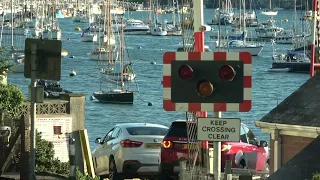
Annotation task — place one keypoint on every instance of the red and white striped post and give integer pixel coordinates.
(199, 30)
(313, 47)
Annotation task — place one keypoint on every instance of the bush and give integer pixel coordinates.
(45, 161)
(5, 60)
(80, 176)
(11, 101)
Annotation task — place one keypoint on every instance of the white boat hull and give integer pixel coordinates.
(269, 13)
(89, 38)
(254, 51)
(174, 33)
(117, 77)
(103, 56)
(156, 32)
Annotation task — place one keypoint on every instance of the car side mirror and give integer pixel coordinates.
(263, 144)
(98, 141)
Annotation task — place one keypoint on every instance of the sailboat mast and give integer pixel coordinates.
(295, 16)
(52, 18)
(270, 4)
(12, 24)
(105, 18)
(174, 13)
(244, 15)
(122, 56)
(2, 22)
(108, 30)
(151, 10)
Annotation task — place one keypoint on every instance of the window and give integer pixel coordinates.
(57, 130)
(115, 133)
(250, 135)
(157, 131)
(179, 129)
(107, 137)
(243, 136)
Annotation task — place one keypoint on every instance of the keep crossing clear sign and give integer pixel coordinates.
(219, 129)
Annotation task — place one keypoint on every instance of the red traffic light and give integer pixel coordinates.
(204, 88)
(227, 73)
(185, 72)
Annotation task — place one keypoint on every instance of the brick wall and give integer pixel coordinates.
(290, 146)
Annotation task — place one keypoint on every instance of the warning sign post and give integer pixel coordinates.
(219, 129)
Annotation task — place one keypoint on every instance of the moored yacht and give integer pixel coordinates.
(101, 54)
(240, 46)
(269, 30)
(136, 27)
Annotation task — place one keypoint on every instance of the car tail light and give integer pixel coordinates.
(127, 143)
(166, 144)
(226, 147)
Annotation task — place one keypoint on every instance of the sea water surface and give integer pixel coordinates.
(269, 88)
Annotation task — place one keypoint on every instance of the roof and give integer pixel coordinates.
(302, 166)
(300, 108)
(126, 125)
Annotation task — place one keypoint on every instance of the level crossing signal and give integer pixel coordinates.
(207, 81)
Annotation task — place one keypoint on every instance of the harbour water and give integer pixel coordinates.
(269, 88)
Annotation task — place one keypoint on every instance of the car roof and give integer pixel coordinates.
(183, 121)
(126, 125)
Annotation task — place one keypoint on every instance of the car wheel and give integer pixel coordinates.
(113, 173)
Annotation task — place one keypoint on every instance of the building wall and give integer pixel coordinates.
(290, 146)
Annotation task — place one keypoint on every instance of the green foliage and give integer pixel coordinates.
(80, 176)
(316, 176)
(4, 60)
(11, 100)
(45, 161)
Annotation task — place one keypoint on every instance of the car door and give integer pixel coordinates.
(252, 148)
(261, 156)
(108, 147)
(241, 147)
(102, 159)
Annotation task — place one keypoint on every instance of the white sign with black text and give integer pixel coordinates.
(219, 129)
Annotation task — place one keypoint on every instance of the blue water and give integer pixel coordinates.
(269, 88)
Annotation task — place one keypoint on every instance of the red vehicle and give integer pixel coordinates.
(248, 153)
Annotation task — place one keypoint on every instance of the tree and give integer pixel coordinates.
(11, 97)
(11, 101)
(4, 65)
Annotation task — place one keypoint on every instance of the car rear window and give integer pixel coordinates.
(178, 129)
(147, 131)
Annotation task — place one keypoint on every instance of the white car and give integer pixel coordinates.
(129, 150)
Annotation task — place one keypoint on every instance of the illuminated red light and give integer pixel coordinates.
(185, 72)
(227, 73)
